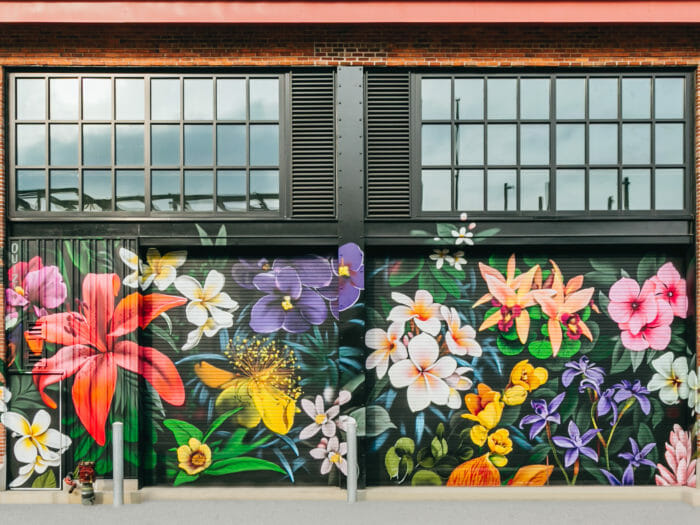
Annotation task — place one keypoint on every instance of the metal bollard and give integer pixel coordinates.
(118, 464)
(352, 460)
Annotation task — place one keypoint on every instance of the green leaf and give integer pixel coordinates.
(426, 281)
(621, 359)
(648, 266)
(507, 347)
(391, 463)
(46, 481)
(425, 458)
(593, 469)
(352, 385)
(184, 477)
(403, 270)
(448, 283)
(539, 452)
(454, 272)
(233, 465)
(568, 407)
(637, 358)
(603, 265)
(540, 349)
(620, 439)
(235, 447)
(657, 412)
(445, 230)
(220, 421)
(221, 236)
(535, 312)
(405, 445)
(438, 447)
(568, 347)
(372, 420)
(426, 477)
(203, 236)
(183, 431)
(484, 234)
(603, 302)
(510, 415)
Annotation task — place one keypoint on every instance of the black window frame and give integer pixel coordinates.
(553, 74)
(284, 142)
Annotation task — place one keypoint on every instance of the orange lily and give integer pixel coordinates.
(560, 305)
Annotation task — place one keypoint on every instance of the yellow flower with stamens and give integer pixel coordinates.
(485, 407)
(500, 442)
(515, 395)
(194, 457)
(527, 376)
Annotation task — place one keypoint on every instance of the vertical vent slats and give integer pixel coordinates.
(313, 144)
(388, 147)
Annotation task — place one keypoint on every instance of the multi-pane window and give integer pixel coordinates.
(147, 144)
(553, 143)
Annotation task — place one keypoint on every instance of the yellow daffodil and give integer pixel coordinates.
(194, 457)
(479, 472)
(532, 476)
(515, 395)
(485, 407)
(500, 442)
(527, 376)
(478, 434)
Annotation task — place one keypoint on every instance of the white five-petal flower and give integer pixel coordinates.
(462, 236)
(331, 451)
(132, 261)
(161, 270)
(671, 379)
(693, 392)
(323, 419)
(423, 373)
(39, 465)
(422, 310)
(461, 340)
(439, 256)
(456, 260)
(386, 345)
(5, 396)
(458, 383)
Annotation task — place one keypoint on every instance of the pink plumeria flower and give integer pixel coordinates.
(679, 453)
(331, 451)
(655, 335)
(423, 373)
(458, 383)
(671, 289)
(386, 345)
(323, 419)
(631, 306)
(461, 340)
(422, 310)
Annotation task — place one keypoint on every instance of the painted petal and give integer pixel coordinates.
(587, 451)
(659, 338)
(193, 338)
(578, 300)
(680, 368)
(326, 466)
(309, 408)
(276, 408)
(522, 325)
(46, 287)
(312, 307)
(437, 389)
(221, 318)
(403, 374)
(444, 367)
(555, 335)
(99, 291)
(574, 284)
(348, 294)
(668, 395)
(431, 326)
(139, 310)
(16, 423)
(491, 320)
(378, 359)
(197, 313)
(309, 431)
(165, 277)
(318, 452)
(213, 285)
(663, 364)
(129, 258)
(401, 299)
(314, 271)
(67, 329)
(537, 428)
(54, 439)
(634, 342)
(570, 457)
(503, 293)
(189, 287)
(376, 339)
(399, 315)
(352, 255)
(418, 394)
(546, 301)
(424, 297)
(624, 291)
(265, 282)
(656, 383)
(25, 472)
(40, 423)
(267, 315)
(174, 259)
(328, 428)
(287, 281)
(64, 363)
(93, 389)
(131, 280)
(294, 322)
(423, 350)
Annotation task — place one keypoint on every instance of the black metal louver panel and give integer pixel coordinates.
(313, 144)
(388, 148)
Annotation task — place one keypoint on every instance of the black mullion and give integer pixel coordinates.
(586, 147)
(552, 145)
(47, 138)
(518, 122)
(620, 196)
(215, 146)
(485, 86)
(247, 141)
(652, 145)
(453, 151)
(147, 171)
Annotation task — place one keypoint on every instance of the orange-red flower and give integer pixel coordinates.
(91, 350)
(532, 476)
(478, 472)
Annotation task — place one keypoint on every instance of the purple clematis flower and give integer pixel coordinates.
(627, 389)
(291, 303)
(544, 412)
(627, 477)
(350, 269)
(575, 444)
(33, 284)
(593, 376)
(606, 403)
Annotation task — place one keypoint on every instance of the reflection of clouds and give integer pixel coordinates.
(470, 190)
(501, 183)
(534, 144)
(636, 189)
(603, 190)
(571, 189)
(501, 96)
(534, 193)
(668, 143)
(63, 93)
(570, 143)
(435, 144)
(636, 140)
(602, 143)
(436, 189)
(501, 144)
(435, 98)
(470, 144)
(30, 144)
(571, 96)
(264, 99)
(636, 97)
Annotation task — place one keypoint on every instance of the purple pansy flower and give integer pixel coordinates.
(606, 403)
(627, 389)
(575, 444)
(544, 412)
(627, 477)
(291, 303)
(593, 376)
(33, 284)
(350, 269)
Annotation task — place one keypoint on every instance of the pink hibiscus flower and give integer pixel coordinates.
(631, 306)
(655, 335)
(671, 289)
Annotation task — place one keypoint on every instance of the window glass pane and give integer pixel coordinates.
(264, 145)
(435, 144)
(230, 99)
(534, 144)
(470, 144)
(501, 190)
(264, 190)
(130, 190)
(470, 190)
(534, 98)
(669, 189)
(31, 144)
(165, 144)
(97, 190)
(199, 98)
(264, 99)
(63, 144)
(636, 190)
(668, 143)
(571, 190)
(198, 145)
(63, 98)
(31, 190)
(129, 144)
(63, 190)
(602, 190)
(469, 98)
(129, 98)
(500, 144)
(636, 97)
(602, 98)
(97, 145)
(570, 143)
(230, 145)
(165, 99)
(571, 98)
(501, 98)
(636, 143)
(435, 96)
(230, 190)
(199, 190)
(668, 97)
(97, 99)
(534, 190)
(165, 190)
(31, 99)
(436, 190)
(602, 144)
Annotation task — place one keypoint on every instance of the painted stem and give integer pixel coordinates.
(556, 456)
(629, 403)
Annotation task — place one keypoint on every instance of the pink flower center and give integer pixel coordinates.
(634, 305)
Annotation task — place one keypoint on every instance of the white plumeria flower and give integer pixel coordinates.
(422, 310)
(161, 270)
(458, 383)
(423, 373)
(462, 236)
(35, 438)
(456, 260)
(671, 379)
(132, 261)
(39, 465)
(386, 345)
(693, 392)
(5, 396)
(323, 419)
(331, 451)
(460, 340)
(209, 308)
(439, 256)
